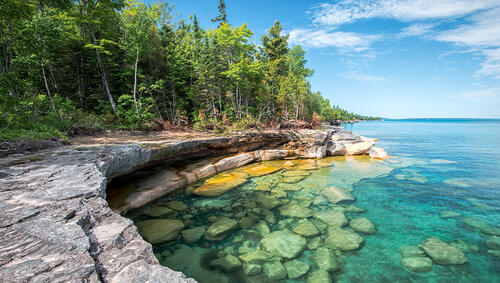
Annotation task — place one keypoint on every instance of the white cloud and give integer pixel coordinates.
(416, 30)
(373, 80)
(488, 95)
(491, 66)
(346, 41)
(347, 11)
(481, 35)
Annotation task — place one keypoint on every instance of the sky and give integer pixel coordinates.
(388, 58)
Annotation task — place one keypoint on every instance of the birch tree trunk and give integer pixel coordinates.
(103, 70)
(135, 84)
(48, 89)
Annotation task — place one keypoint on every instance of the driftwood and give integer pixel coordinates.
(295, 124)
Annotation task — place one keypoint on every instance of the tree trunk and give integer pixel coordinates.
(47, 88)
(103, 70)
(53, 79)
(135, 85)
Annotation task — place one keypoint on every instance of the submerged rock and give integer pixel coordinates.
(306, 229)
(220, 184)
(417, 263)
(255, 257)
(408, 251)
(192, 235)
(293, 180)
(247, 222)
(274, 270)
(494, 253)
(463, 246)
(342, 239)
(159, 211)
(284, 244)
(314, 243)
(262, 228)
(294, 210)
(295, 173)
(252, 269)
(228, 263)
(332, 218)
(325, 259)
(268, 202)
(158, 231)
(263, 186)
(189, 261)
(481, 225)
(319, 276)
(449, 214)
(177, 205)
(355, 209)
(296, 268)
(337, 195)
(442, 253)
(220, 229)
(261, 170)
(493, 242)
(363, 225)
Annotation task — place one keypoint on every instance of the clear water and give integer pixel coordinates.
(437, 165)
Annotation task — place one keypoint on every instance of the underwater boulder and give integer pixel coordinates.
(363, 225)
(306, 229)
(220, 184)
(325, 259)
(442, 253)
(274, 270)
(158, 231)
(337, 195)
(192, 235)
(344, 240)
(417, 263)
(319, 276)
(284, 243)
(228, 263)
(261, 170)
(294, 210)
(296, 268)
(220, 229)
(332, 218)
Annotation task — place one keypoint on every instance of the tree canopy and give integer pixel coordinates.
(68, 66)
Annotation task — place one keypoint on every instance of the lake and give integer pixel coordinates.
(443, 181)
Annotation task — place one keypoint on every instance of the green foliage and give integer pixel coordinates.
(127, 117)
(73, 66)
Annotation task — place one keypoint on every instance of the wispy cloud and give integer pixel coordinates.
(346, 41)
(347, 11)
(416, 30)
(373, 80)
(488, 95)
(482, 36)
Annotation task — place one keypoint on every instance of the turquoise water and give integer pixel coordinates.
(436, 166)
(407, 211)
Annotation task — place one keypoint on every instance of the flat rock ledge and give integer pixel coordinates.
(56, 225)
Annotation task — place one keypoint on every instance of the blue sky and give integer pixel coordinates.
(390, 58)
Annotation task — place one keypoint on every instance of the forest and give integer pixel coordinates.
(81, 66)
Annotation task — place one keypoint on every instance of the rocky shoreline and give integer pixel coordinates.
(57, 225)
